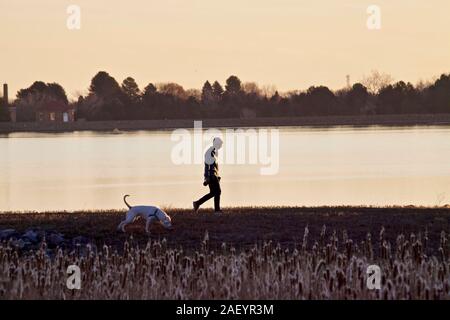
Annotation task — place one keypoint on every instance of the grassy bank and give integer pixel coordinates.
(248, 253)
(241, 227)
(166, 124)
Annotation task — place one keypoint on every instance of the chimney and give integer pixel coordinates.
(5, 93)
(11, 108)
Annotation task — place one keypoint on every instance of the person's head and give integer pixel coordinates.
(217, 143)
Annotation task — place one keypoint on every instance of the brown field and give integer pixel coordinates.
(248, 253)
(241, 226)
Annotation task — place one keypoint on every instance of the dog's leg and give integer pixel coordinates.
(125, 223)
(147, 225)
(128, 219)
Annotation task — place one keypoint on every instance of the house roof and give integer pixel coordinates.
(55, 106)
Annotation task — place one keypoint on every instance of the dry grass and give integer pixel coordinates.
(331, 268)
(304, 260)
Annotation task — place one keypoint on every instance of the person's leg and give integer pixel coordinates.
(217, 202)
(206, 197)
(216, 191)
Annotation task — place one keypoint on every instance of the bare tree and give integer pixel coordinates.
(195, 93)
(251, 87)
(376, 81)
(423, 84)
(268, 90)
(173, 89)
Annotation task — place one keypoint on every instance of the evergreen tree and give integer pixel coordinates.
(131, 89)
(149, 91)
(217, 90)
(233, 86)
(104, 86)
(207, 93)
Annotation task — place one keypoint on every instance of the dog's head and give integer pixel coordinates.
(164, 219)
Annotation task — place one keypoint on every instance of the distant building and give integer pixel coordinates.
(11, 108)
(247, 113)
(55, 111)
(5, 93)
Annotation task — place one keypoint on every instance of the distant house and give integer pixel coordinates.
(247, 113)
(55, 111)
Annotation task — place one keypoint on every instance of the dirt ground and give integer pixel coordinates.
(242, 227)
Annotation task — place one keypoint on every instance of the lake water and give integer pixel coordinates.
(332, 166)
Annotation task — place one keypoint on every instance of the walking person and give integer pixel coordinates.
(212, 178)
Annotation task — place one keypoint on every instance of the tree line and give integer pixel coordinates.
(109, 100)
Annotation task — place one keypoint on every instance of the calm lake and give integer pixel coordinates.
(311, 167)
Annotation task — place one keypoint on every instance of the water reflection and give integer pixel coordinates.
(320, 166)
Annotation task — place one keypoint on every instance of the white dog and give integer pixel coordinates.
(149, 213)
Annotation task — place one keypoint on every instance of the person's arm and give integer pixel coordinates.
(209, 167)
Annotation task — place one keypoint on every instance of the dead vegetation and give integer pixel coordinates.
(330, 267)
(248, 253)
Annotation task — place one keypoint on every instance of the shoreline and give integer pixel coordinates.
(169, 124)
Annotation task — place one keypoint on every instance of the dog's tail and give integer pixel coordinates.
(125, 200)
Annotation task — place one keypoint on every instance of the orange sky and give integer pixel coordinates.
(291, 44)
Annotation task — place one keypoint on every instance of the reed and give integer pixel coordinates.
(334, 267)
